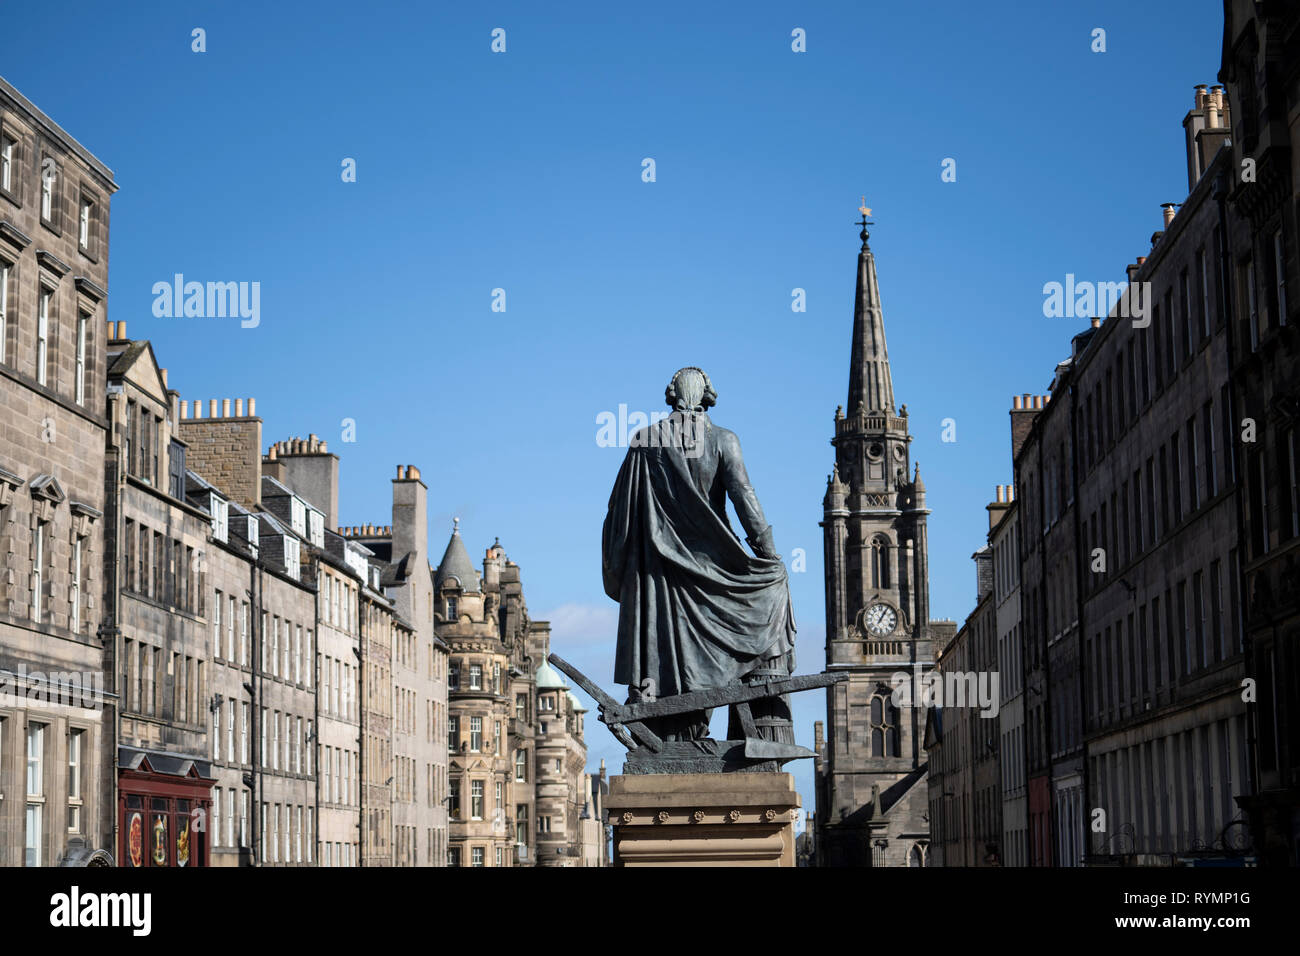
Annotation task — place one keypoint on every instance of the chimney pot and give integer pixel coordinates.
(401, 472)
(121, 329)
(185, 409)
(239, 408)
(251, 412)
(323, 447)
(212, 408)
(225, 408)
(1171, 209)
(412, 472)
(1096, 322)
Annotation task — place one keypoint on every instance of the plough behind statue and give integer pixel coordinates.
(648, 753)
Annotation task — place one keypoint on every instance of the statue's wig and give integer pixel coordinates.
(690, 388)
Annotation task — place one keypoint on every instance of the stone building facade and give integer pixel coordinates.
(1165, 722)
(560, 781)
(516, 785)
(1261, 63)
(965, 795)
(419, 670)
(162, 665)
(1004, 543)
(490, 764)
(870, 770)
(1131, 649)
(57, 746)
(264, 764)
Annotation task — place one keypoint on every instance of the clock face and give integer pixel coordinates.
(880, 619)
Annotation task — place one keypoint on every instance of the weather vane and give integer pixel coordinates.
(866, 211)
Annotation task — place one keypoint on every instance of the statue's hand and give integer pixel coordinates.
(763, 546)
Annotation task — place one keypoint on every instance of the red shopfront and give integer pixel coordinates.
(164, 803)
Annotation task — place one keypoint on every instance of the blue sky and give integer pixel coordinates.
(522, 171)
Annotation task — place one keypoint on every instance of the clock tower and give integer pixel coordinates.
(871, 766)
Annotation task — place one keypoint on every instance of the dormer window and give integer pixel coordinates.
(316, 527)
(252, 531)
(219, 508)
(298, 516)
(451, 609)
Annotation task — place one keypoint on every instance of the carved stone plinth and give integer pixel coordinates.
(703, 819)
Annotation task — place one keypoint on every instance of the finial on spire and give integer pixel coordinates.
(455, 526)
(866, 211)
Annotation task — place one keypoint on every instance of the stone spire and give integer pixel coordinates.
(870, 383)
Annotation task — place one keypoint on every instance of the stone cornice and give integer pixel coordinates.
(52, 262)
(10, 234)
(89, 289)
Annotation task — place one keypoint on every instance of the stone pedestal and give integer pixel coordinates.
(703, 819)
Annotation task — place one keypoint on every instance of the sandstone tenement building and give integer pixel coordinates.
(57, 738)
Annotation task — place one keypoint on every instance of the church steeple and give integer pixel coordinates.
(869, 380)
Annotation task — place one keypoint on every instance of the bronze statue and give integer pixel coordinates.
(702, 622)
(696, 610)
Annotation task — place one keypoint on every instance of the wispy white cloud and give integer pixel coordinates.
(577, 624)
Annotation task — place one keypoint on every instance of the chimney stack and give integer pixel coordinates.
(1022, 419)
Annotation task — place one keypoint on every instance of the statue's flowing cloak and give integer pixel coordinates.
(696, 610)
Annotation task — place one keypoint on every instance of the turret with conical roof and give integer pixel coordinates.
(456, 564)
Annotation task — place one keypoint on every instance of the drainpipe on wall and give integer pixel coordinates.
(314, 737)
(361, 739)
(255, 580)
(109, 631)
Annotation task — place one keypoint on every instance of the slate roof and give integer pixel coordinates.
(456, 564)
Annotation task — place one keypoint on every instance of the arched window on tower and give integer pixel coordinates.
(884, 725)
(880, 563)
